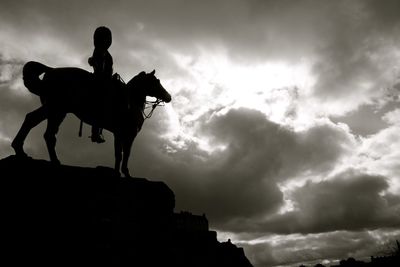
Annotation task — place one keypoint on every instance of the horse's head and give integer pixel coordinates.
(155, 89)
(147, 84)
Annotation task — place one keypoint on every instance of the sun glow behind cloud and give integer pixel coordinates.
(234, 84)
(214, 84)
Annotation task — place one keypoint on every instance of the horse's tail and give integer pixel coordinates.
(30, 73)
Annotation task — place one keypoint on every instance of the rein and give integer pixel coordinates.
(153, 106)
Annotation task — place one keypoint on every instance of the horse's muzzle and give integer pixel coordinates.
(167, 98)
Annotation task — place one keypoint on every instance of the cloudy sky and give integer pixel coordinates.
(285, 122)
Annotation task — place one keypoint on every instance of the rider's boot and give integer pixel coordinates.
(97, 136)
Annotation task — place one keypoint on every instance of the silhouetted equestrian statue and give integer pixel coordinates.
(71, 90)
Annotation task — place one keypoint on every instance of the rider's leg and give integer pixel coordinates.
(100, 99)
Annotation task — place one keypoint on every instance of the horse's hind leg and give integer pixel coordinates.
(53, 124)
(32, 119)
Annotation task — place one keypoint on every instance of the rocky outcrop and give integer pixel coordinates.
(58, 215)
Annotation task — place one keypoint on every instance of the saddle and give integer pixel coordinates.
(111, 95)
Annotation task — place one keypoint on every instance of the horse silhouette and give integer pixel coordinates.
(72, 90)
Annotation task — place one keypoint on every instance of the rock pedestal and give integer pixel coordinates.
(65, 215)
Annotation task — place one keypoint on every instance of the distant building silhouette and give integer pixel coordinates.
(187, 222)
(392, 260)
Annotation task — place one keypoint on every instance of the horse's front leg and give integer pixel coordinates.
(118, 152)
(126, 148)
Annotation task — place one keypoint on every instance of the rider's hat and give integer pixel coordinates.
(102, 37)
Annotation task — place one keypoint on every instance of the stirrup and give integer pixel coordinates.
(97, 139)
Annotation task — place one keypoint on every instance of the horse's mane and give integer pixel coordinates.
(135, 79)
(136, 96)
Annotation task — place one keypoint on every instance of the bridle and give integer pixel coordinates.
(152, 105)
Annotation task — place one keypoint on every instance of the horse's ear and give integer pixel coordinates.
(153, 72)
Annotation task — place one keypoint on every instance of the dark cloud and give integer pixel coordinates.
(356, 119)
(279, 150)
(384, 16)
(349, 201)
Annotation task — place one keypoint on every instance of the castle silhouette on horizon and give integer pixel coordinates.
(390, 260)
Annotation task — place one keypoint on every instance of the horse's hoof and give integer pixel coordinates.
(22, 156)
(117, 174)
(15, 145)
(19, 151)
(126, 173)
(55, 162)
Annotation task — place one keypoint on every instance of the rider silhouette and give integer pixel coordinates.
(102, 63)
